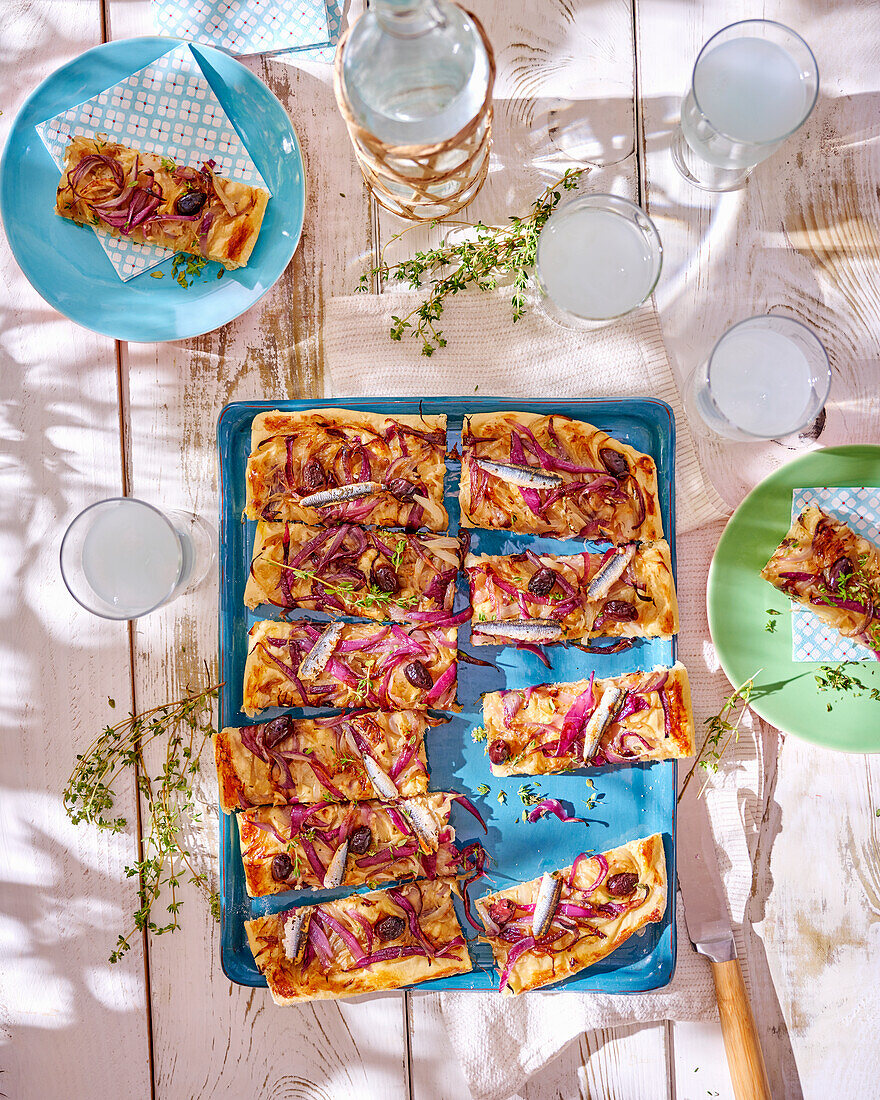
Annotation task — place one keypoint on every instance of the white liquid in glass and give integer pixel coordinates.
(752, 91)
(131, 558)
(595, 264)
(761, 381)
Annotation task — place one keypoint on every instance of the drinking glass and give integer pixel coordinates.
(767, 377)
(754, 84)
(122, 558)
(598, 258)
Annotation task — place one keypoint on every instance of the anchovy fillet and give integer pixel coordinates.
(601, 718)
(522, 630)
(611, 571)
(382, 783)
(523, 476)
(296, 933)
(335, 873)
(549, 893)
(424, 825)
(315, 661)
(341, 494)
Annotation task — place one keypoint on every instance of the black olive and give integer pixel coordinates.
(843, 567)
(313, 474)
(190, 203)
(622, 885)
(389, 928)
(614, 462)
(360, 840)
(281, 867)
(499, 752)
(542, 582)
(620, 611)
(276, 731)
(418, 675)
(385, 579)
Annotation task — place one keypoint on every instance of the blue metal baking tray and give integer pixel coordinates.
(629, 801)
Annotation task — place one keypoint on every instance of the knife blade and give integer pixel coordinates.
(699, 879)
(710, 931)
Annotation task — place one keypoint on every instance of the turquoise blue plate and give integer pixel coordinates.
(630, 802)
(66, 264)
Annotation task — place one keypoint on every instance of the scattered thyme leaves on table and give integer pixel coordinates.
(721, 726)
(771, 623)
(488, 254)
(834, 678)
(185, 727)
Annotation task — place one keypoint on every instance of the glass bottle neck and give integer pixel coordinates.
(408, 18)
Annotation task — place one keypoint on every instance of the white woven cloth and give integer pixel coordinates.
(501, 1042)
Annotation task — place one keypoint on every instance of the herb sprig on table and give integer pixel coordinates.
(720, 726)
(185, 726)
(478, 261)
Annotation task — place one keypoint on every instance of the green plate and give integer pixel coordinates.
(785, 691)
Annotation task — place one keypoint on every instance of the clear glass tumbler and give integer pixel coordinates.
(753, 85)
(598, 258)
(122, 558)
(767, 377)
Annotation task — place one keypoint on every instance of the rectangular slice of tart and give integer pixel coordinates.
(640, 716)
(334, 844)
(551, 475)
(365, 573)
(323, 759)
(147, 198)
(552, 927)
(312, 664)
(626, 592)
(835, 572)
(331, 466)
(366, 943)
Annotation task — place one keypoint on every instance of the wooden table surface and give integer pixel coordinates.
(85, 418)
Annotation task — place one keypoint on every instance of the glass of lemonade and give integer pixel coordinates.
(598, 258)
(754, 83)
(122, 558)
(767, 377)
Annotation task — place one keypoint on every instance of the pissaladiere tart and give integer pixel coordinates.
(626, 592)
(825, 565)
(149, 199)
(365, 573)
(551, 475)
(332, 844)
(557, 925)
(306, 663)
(347, 757)
(640, 716)
(330, 466)
(385, 939)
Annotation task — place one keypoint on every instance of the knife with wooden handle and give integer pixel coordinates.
(708, 925)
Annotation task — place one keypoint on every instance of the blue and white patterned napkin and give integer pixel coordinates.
(166, 108)
(859, 508)
(252, 26)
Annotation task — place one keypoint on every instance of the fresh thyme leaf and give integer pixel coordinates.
(770, 611)
(397, 556)
(483, 789)
(502, 797)
(373, 597)
(528, 795)
(476, 261)
(185, 269)
(836, 679)
(184, 727)
(771, 626)
(479, 733)
(720, 726)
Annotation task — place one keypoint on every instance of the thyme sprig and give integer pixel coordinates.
(90, 796)
(373, 597)
(489, 253)
(720, 726)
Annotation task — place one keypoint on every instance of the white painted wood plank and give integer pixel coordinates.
(72, 1024)
(699, 1062)
(212, 1038)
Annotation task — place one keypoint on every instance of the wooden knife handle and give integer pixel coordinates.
(744, 1057)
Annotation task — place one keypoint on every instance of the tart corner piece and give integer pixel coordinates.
(546, 930)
